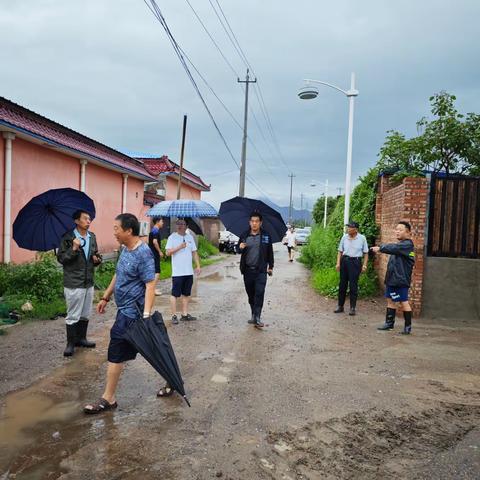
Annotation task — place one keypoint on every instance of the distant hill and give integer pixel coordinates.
(296, 214)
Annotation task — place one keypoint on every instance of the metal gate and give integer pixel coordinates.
(454, 217)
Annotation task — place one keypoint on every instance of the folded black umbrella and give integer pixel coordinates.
(149, 336)
(235, 215)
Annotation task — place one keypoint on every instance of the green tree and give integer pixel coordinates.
(449, 142)
(319, 208)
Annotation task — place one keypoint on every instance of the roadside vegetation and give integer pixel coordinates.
(320, 253)
(447, 143)
(40, 284)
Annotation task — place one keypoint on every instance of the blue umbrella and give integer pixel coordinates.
(182, 209)
(235, 215)
(43, 221)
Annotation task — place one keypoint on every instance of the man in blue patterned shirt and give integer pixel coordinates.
(134, 288)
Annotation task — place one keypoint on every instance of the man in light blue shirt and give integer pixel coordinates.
(352, 248)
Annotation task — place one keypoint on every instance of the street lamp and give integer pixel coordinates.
(326, 200)
(309, 92)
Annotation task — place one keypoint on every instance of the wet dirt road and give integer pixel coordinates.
(314, 396)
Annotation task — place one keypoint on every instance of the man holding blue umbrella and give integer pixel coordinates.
(78, 253)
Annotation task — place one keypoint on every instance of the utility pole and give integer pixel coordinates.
(241, 189)
(179, 186)
(326, 203)
(301, 208)
(291, 204)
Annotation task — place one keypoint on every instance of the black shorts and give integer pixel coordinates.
(289, 249)
(182, 286)
(158, 268)
(119, 351)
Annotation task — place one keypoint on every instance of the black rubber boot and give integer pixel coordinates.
(252, 318)
(258, 322)
(407, 329)
(71, 336)
(352, 311)
(81, 337)
(339, 309)
(389, 320)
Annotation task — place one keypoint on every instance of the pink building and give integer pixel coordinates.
(37, 154)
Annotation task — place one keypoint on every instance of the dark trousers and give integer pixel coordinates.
(255, 283)
(350, 270)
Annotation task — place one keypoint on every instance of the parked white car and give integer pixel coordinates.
(302, 235)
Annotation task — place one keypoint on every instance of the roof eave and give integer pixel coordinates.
(78, 153)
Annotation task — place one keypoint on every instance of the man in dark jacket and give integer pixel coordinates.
(78, 253)
(398, 276)
(256, 262)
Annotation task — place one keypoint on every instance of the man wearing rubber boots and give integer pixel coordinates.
(398, 276)
(352, 260)
(78, 253)
(255, 246)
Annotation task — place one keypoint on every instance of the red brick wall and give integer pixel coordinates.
(407, 201)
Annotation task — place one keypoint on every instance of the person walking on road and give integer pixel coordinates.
(78, 253)
(352, 248)
(291, 242)
(255, 246)
(398, 276)
(155, 244)
(134, 288)
(181, 247)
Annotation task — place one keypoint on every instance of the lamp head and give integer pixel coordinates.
(308, 92)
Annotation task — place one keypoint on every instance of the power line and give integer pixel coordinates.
(270, 171)
(261, 101)
(155, 9)
(159, 16)
(212, 39)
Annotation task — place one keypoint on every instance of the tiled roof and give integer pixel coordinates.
(163, 164)
(151, 199)
(26, 121)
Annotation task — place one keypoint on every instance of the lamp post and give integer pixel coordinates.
(309, 92)
(325, 212)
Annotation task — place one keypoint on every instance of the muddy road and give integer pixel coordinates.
(313, 396)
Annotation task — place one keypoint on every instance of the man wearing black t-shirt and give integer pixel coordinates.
(155, 244)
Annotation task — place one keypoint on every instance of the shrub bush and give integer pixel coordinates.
(104, 274)
(205, 248)
(325, 281)
(41, 279)
(320, 253)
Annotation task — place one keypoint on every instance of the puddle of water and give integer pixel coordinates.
(213, 277)
(25, 410)
(33, 421)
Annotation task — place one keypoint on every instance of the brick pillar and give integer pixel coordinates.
(407, 201)
(415, 212)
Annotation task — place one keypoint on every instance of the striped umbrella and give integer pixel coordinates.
(182, 209)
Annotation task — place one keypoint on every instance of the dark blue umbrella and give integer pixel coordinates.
(235, 215)
(43, 221)
(150, 338)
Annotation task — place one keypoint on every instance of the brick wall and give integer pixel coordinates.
(407, 201)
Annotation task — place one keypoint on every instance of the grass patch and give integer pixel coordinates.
(41, 282)
(41, 310)
(325, 281)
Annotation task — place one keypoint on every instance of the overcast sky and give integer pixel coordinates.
(106, 69)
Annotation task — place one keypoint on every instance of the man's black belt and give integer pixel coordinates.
(348, 256)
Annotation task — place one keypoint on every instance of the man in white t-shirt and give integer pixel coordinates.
(181, 247)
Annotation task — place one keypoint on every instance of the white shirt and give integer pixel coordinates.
(181, 260)
(291, 238)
